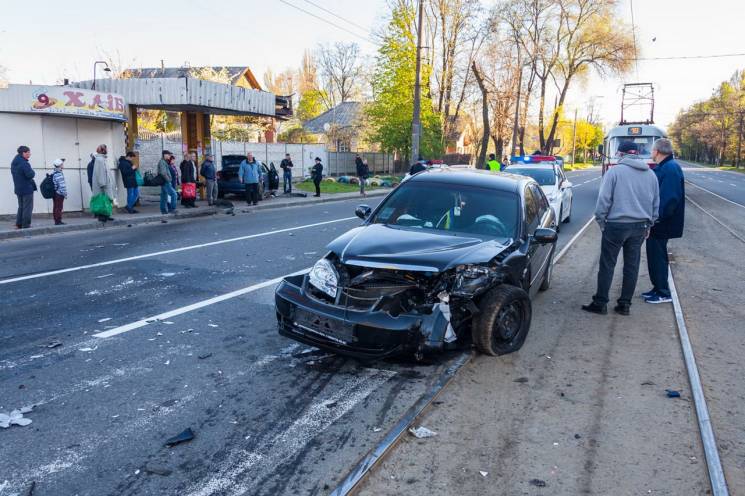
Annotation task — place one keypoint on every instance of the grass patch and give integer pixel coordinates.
(732, 169)
(309, 187)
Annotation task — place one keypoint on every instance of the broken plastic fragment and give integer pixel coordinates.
(88, 349)
(421, 432)
(15, 417)
(483, 474)
(104, 320)
(51, 344)
(186, 435)
(213, 325)
(206, 355)
(538, 482)
(377, 429)
(671, 393)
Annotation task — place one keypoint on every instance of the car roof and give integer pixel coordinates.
(472, 177)
(537, 165)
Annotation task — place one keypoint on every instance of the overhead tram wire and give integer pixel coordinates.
(689, 57)
(633, 33)
(364, 38)
(320, 7)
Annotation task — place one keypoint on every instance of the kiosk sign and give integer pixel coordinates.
(77, 102)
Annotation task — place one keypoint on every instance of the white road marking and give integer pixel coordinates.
(573, 240)
(245, 468)
(718, 196)
(194, 306)
(731, 231)
(165, 252)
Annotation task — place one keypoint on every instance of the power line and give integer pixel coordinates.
(336, 15)
(633, 33)
(686, 57)
(364, 38)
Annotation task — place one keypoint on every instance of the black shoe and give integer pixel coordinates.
(622, 309)
(595, 308)
(133, 211)
(109, 218)
(60, 223)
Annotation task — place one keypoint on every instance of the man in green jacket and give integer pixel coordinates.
(493, 164)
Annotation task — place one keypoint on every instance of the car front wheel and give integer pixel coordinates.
(504, 321)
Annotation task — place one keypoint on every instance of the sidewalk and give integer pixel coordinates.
(149, 212)
(580, 409)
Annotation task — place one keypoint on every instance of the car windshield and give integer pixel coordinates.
(643, 145)
(544, 177)
(451, 209)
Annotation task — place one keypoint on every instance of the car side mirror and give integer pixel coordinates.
(363, 212)
(544, 235)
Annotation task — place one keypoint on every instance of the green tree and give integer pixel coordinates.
(311, 104)
(390, 113)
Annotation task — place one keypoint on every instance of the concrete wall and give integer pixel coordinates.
(52, 137)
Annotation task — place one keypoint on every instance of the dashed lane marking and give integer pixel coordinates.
(712, 193)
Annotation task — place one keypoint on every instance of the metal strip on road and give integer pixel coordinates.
(730, 230)
(712, 193)
(194, 306)
(166, 252)
(714, 464)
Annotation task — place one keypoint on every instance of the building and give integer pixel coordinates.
(59, 122)
(340, 128)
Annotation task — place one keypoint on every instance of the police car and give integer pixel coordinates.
(549, 175)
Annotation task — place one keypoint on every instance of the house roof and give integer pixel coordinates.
(346, 114)
(234, 72)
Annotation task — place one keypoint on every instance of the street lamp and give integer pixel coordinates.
(106, 69)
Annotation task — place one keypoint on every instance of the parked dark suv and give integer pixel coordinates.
(449, 256)
(228, 181)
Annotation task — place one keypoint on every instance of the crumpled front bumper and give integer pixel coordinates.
(360, 334)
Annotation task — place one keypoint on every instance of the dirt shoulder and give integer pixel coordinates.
(582, 407)
(709, 271)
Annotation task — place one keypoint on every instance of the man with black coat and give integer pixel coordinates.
(24, 186)
(316, 173)
(209, 172)
(362, 172)
(286, 166)
(188, 176)
(129, 179)
(418, 167)
(670, 222)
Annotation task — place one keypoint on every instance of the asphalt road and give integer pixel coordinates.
(727, 184)
(270, 416)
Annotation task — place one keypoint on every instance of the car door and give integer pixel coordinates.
(565, 186)
(538, 213)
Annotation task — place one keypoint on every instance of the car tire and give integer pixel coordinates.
(546, 282)
(569, 215)
(504, 321)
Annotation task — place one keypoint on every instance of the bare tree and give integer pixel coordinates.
(339, 71)
(484, 115)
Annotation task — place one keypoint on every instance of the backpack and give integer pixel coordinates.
(151, 179)
(47, 187)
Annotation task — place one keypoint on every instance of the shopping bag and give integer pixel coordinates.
(138, 178)
(101, 205)
(188, 191)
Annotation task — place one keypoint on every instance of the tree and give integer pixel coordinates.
(481, 161)
(390, 112)
(339, 71)
(311, 104)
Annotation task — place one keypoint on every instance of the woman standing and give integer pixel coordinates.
(316, 172)
(100, 181)
(188, 176)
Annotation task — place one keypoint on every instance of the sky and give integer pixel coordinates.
(69, 36)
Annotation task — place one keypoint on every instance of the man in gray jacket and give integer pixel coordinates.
(627, 206)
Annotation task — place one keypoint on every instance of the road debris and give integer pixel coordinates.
(483, 474)
(51, 344)
(154, 469)
(377, 429)
(15, 417)
(87, 348)
(186, 435)
(206, 355)
(213, 325)
(105, 319)
(648, 383)
(521, 379)
(421, 432)
(671, 393)
(537, 483)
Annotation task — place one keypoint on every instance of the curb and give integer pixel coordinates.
(203, 212)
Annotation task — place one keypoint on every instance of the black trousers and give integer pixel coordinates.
(25, 208)
(619, 236)
(317, 183)
(657, 264)
(252, 193)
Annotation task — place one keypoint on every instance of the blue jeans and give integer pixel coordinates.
(132, 195)
(287, 177)
(168, 198)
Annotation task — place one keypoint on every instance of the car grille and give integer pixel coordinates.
(364, 297)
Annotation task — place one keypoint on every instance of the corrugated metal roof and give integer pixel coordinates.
(346, 114)
(187, 94)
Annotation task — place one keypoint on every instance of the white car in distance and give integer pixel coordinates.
(555, 185)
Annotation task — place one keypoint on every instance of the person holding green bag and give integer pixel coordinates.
(129, 171)
(101, 186)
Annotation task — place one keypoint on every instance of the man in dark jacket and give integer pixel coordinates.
(362, 172)
(209, 173)
(24, 186)
(418, 167)
(286, 166)
(669, 223)
(188, 176)
(129, 178)
(316, 172)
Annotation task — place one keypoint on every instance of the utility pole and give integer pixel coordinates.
(517, 104)
(574, 137)
(416, 123)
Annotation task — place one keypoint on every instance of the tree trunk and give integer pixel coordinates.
(541, 108)
(555, 122)
(480, 163)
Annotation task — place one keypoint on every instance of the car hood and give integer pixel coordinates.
(382, 246)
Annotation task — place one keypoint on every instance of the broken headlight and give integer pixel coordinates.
(472, 279)
(324, 276)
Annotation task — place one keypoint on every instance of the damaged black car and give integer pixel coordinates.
(449, 257)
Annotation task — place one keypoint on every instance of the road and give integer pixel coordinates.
(171, 326)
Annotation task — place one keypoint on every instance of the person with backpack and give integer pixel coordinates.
(209, 173)
(60, 191)
(363, 171)
(128, 170)
(168, 194)
(24, 186)
(316, 172)
(188, 177)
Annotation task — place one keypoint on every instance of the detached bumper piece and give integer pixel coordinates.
(346, 330)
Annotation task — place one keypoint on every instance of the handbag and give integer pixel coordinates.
(189, 191)
(101, 205)
(138, 178)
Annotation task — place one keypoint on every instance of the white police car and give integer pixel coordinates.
(550, 177)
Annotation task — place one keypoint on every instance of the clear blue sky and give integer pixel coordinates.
(44, 40)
